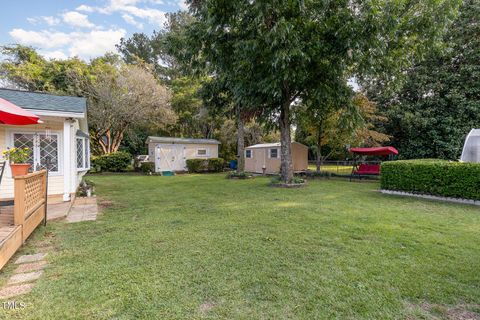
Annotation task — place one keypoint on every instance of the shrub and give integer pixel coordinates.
(215, 164)
(112, 162)
(435, 177)
(196, 165)
(147, 167)
(205, 165)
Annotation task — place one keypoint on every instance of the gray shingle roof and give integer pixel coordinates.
(181, 140)
(44, 101)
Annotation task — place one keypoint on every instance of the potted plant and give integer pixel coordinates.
(18, 157)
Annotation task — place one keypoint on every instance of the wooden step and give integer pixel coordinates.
(10, 241)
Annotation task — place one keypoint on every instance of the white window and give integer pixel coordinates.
(274, 153)
(83, 154)
(202, 152)
(248, 153)
(45, 148)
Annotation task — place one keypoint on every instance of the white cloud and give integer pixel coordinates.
(32, 20)
(95, 43)
(153, 16)
(76, 19)
(83, 44)
(182, 5)
(45, 39)
(56, 54)
(51, 21)
(130, 20)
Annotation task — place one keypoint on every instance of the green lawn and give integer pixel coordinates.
(201, 246)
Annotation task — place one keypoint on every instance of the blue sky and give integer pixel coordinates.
(83, 28)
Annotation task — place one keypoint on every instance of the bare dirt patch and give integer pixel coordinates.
(206, 307)
(433, 311)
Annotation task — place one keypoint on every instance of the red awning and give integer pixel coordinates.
(377, 151)
(14, 115)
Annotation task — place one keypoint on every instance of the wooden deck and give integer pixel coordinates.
(10, 235)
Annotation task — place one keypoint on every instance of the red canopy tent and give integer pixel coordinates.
(366, 169)
(14, 115)
(375, 151)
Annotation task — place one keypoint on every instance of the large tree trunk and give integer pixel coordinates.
(240, 142)
(319, 148)
(286, 165)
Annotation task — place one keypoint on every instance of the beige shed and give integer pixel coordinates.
(267, 155)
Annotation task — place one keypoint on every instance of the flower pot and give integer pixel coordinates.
(19, 169)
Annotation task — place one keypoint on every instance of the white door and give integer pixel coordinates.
(169, 157)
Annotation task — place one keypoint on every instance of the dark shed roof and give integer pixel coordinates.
(44, 101)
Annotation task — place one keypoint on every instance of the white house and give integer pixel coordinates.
(62, 138)
(171, 154)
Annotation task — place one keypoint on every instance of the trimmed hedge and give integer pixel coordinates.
(434, 177)
(147, 167)
(112, 162)
(205, 165)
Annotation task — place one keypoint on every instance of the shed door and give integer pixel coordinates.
(169, 157)
(260, 161)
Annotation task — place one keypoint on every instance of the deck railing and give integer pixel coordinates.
(30, 201)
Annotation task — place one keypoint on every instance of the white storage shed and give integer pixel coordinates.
(171, 154)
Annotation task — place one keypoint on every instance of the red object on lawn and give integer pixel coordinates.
(368, 169)
(14, 115)
(376, 151)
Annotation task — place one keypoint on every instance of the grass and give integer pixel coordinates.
(202, 246)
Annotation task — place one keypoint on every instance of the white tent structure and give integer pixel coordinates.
(471, 148)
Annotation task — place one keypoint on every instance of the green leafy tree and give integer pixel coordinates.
(26, 69)
(274, 53)
(165, 49)
(440, 101)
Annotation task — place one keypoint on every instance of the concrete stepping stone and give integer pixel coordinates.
(29, 267)
(13, 291)
(25, 277)
(31, 258)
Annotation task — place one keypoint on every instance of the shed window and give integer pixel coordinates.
(274, 153)
(201, 152)
(248, 153)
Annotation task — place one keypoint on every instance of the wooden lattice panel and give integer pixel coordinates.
(30, 193)
(34, 192)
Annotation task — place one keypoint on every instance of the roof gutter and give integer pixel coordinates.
(62, 114)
